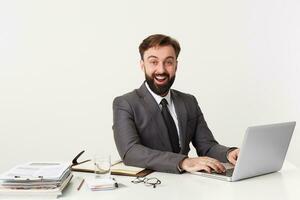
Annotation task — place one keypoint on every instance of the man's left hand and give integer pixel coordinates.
(233, 156)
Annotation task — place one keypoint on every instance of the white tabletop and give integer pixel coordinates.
(280, 185)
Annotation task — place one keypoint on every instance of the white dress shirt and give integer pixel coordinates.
(171, 106)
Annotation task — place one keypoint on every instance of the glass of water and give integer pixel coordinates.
(102, 166)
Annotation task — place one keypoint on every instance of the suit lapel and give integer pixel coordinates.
(155, 113)
(181, 116)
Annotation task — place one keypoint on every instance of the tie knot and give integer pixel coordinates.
(164, 102)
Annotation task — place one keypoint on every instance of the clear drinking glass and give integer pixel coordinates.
(102, 165)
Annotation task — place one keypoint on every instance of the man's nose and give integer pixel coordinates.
(161, 67)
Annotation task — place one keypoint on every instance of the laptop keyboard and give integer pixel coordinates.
(227, 173)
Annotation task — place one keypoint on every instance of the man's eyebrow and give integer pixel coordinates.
(172, 57)
(151, 57)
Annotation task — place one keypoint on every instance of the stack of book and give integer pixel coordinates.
(42, 179)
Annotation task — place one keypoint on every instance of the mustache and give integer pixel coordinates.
(161, 74)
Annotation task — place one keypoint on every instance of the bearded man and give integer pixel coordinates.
(154, 125)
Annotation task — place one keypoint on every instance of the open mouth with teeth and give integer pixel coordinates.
(161, 79)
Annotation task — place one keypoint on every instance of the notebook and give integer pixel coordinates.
(118, 168)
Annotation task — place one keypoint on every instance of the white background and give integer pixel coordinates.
(63, 62)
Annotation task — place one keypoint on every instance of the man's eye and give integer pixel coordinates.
(154, 62)
(169, 62)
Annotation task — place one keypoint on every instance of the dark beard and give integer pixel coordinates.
(160, 90)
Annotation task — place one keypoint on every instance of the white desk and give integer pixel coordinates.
(280, 185)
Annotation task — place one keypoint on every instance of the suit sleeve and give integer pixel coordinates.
(129, 145)
(204, 141)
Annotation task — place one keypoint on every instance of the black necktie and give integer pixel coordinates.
(172, 130)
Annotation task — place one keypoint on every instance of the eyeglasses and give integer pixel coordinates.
(147, 181)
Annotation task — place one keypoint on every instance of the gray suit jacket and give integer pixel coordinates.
(141, 135)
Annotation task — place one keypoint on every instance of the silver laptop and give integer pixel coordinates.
(263, 151)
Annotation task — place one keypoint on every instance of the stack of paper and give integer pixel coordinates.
(96, 184)
(36, 179)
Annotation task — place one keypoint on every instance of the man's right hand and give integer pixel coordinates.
(201, 163)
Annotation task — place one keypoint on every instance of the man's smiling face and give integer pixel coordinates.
(159, 64)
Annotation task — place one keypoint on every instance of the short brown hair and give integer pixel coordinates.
(158, 40)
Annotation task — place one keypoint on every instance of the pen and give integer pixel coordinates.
(117, 162)
(80, 185)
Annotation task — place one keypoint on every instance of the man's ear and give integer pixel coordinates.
(142, 65)
(176, 66)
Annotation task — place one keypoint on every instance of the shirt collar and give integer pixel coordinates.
(159, 98)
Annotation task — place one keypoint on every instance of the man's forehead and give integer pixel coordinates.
(161, 52)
